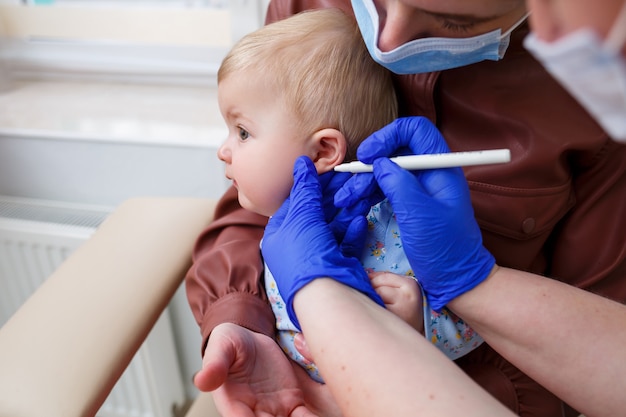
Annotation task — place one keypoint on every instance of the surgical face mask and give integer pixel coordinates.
(429, 54)
(592, 70)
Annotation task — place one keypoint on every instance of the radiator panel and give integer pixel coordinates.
(35, 238)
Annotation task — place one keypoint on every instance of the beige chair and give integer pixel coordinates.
(65, 348)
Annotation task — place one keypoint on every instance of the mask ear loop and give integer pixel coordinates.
(516, 24)
(617, 35)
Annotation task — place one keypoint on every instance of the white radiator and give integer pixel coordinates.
(35, 238)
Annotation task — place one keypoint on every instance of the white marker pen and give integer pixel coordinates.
(436, 160)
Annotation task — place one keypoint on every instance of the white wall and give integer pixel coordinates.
(126, 115)
(103, 143)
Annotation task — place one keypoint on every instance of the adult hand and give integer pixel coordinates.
(250, 375)
(299, 246)
(438, 230)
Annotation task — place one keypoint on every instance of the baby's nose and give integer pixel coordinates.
(223, 153)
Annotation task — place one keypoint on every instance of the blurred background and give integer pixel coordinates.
(100, 101)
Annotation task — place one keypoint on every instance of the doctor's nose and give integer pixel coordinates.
(401, 24)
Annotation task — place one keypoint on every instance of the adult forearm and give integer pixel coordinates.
(375, 364)
(569, 340)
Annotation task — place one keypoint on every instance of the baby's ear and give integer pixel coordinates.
(329, 149)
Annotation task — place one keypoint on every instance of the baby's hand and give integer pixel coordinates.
(402, 296)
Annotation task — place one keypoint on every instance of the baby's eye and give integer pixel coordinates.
(243, 134)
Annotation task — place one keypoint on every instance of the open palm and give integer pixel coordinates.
(250, 375)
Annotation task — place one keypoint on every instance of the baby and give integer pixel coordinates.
(307, 85)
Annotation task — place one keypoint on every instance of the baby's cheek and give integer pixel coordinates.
(274, 200)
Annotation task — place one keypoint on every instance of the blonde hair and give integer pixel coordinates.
(317, 61)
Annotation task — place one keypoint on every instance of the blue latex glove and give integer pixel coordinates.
(349, 225)
(438, 230)
(299, 246)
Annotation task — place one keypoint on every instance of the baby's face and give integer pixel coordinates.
(262, 144)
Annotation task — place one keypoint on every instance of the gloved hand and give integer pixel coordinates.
(438, 230)
(299, 246)
(348, 223)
